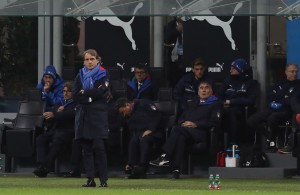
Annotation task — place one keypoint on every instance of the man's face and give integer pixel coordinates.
(234, 71)
(204, 91)
(198, 71)
(179, 26)
(291, 72)
(140, 74)
(125, 110)
(67, 93)
(90, 61)
(48, 80)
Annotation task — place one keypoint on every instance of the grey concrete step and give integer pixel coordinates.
(282, 160)
(253, 173)
(281, 166)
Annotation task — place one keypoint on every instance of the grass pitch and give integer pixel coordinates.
(12, 184)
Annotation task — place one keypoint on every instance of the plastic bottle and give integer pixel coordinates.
(217, 182)
(211, 184)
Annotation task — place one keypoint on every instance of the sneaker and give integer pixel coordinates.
(128, 169)
(175, 174)
(103, 184)
(286, 150)
(271, 147)
(161, 161)
(89, 183)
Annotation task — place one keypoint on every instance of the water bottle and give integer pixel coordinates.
(211, 184)
(217, 182)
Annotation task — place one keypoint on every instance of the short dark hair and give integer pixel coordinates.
(197, 62)
(142, 66)
(69, 85)
(121, 102)
(209, 82)
(92, 52)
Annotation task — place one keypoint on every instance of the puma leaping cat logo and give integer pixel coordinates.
(115, 21)
(220, 65)
(121, 65)
(215, 21)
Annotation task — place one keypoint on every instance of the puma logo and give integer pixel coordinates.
(121, 65)
(217, 68)
(220, 65)
(115, 21)
(215, 21)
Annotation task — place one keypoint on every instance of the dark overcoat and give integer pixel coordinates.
(205, 116)
(91, 120)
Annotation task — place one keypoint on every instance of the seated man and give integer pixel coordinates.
(141, 85)
(187, 88)
(295, 105)
(267, 121)
(61, 121)
(193, 125)
(52, 86)
(237, 91)
(142, 118)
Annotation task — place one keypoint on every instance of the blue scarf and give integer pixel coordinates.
(133, 84)
(88, 77)
(209, 100)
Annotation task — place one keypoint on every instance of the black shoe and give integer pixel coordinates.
(103, 185)
(41, 171)
(175, 174)
(89, 183)
(75, 174)
(138, 172)
(161, 161)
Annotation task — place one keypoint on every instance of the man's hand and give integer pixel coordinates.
(189, 124)
(60, 109)
(147, 132)
(47, 87)
(48, 115)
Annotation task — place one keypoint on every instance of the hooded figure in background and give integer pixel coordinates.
(52, 87)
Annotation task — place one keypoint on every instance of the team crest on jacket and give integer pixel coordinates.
(153, 107)
(106, 83)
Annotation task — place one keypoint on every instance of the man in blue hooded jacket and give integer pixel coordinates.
(52, 86)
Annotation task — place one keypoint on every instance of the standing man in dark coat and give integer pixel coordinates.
(237, 92)
(91, 90)
(175, 53)
(142, 118)
(266, 121)
(60, 131)
(141, 85)
(193, 126)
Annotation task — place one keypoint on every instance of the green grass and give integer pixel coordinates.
(12, 184)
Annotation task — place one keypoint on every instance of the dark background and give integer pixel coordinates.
(200, 40)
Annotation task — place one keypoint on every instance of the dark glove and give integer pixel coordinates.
(275, 105)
